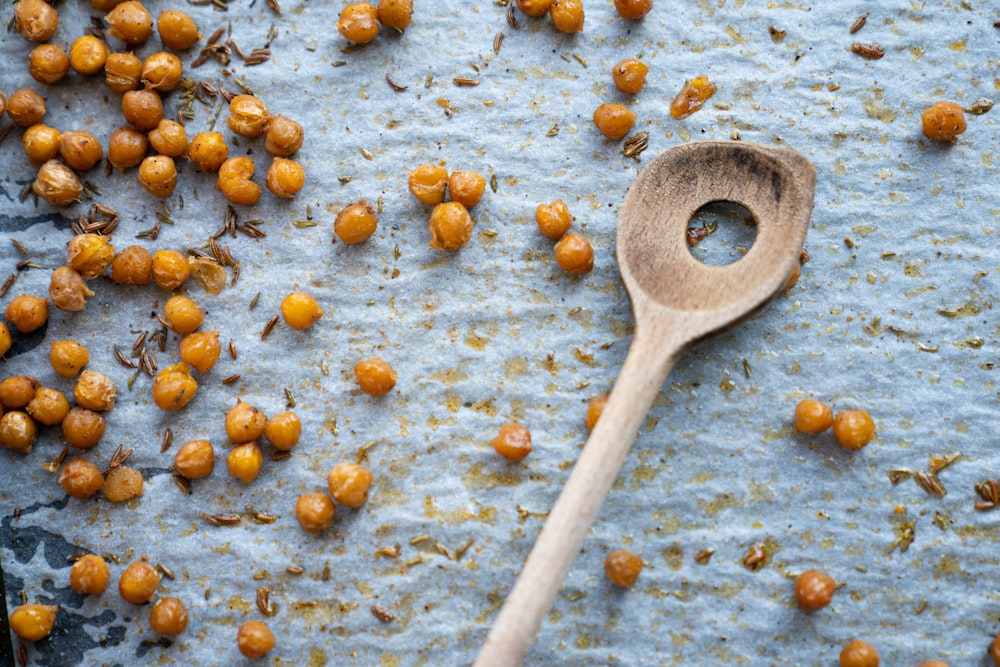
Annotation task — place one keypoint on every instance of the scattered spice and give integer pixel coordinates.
(381, 614)
(635, 145)
(867, 51)
(220, 519)
(989, 491)
(269, 326)
(264, 602)
(703, 556)
(859, 23)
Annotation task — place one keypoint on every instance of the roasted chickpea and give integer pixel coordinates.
(87, 55)
(614, 121)
(162, 72)
(83, 428)
(553, 219)
(127, 147)
(33, 622)
(450, 226)
(428, 182)
(692, 97)
(853, 429)
(208, 150)
(68, 290)
(814, 589)
(122, 72)
(130, 22)
(375, 376)
(234, 181)
(158, 175)
(57, 184)
(182, 314)
(248, 117)
(195, 459)
(94, 391)
(132, 266)
(17, 391)
(17, 431)
(812, 416)
(567, 15)
(284, 136)
(200, 350)
(27, 313)
(300, 310)
(513, 442)
(859, 654)
(285, 177)
(943, 121)
(574, 254)
(535, 7)
(254, 639)
(629, 75)
(173, 387)
(622, 567)
(41, 144)
(81, 479)
(26, 107)
(594, 410)
(395, 14)
(169, 138)
(245, 461)
(466, 187)
(245, 423)
(143, 109)
(177, 29)
(138, 582)
(35, 20)
(68, 357)
(89, 574)
(80, 149)
(356, 222)
(170, 269)
(283, 430)
(48, 63)
(89, 254)
(314, 512)
(633, 9)
(123, 483)
(169, 616)
(49, 406)
(358, 22)
(5, 339)
(349, 484)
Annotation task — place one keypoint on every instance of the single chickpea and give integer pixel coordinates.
(89, 254)
(859, 654)
(82, 428)
(182, 314)
(535, 7)
(26, 107)
(68, 290)
(57, 184)
(349, 484)
(89, 575)
(853, 429)
(396, 14)
(143, 109)
(49, 406)
(248, 117)
(355, 223)
(27, 313)
(943, 121)
(158, 175)
(169, 616)
(200, 350)
(633, 9)
(80, 149)
(375, 376)
(130, 22)
(629, 75)
(234, 181)
(17, 431)
(614, 121)
(245, 461)
(692, 97)
(283, 430)
(208, 150)
(814, 589)
(162, 72)
(170, 269)
(195, 459)
(574, 254)
(122, 483)
(173, 387)
(169, 138)
(428, 182)
(245, 423)
(466, 187)
(17, 391)
(594, 410)
(81, 479)
(622, 567)
(35, 20)
(254, 639)
(554, 219)
(68, 357)
(122, 72)
(314, 512)
(450, 226)
(126, 148)
(138, 582)
(358, 22)
(513, 442)
(132, 266)
(33, 622)
(567, 15)
(41, 144)
(5, 339)
(285, 177)
(48, 63)
(300, 310)
(87, 55)
(94, 391)
(284, 136)
(812, 416)
(178, 31)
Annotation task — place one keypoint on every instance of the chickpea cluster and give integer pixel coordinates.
(450, 222)
(852, 429)
(573, 251)
(566, 15)
(359, 21)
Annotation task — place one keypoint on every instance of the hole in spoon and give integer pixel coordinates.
(721, 232)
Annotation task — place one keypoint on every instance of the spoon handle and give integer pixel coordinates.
(646, 366)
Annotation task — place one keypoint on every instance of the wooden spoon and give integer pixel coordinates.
(675, 301)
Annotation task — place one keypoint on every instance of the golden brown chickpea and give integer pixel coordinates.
(314, 512)
(814, 589)
(169, 138)
(68, 357)
(90, 254)
(130, 22)
(122, 72)
(87, 55)
(123, 483)
(285, 177)
(248, 117)
(127, 147)
(80, 149)
(254, 639)
(33, 622)
(35, 20)
(81, 479)
(49, 406)
(177, 29)
(94, 391)
(349, 484)
(169, 616)
(68, 290)
(375, 376)
(245, 423)
(201, 350)
(853, 429)
(450, 226)
(574, 254)
(132, 266)
(567, 15)
(89, 575)
(594, 410)
(428, 182)
(17, 391)
(234, 181)
(158, 175)
(26, 107)
(622, 567)
(162, 72)
(143, 109)
(208, 150)
(943, 121)
(355, 223)
(629, 75)
(633, 9)
(535, 7)
(466, 187)
(17, 431)
(138, 582)
(554, 219)
(396, 14)
(300, 310)
(284, 136)
(170, 269)
(83, 428)
(614, 121)
(513, 442)
(812, 416)
(859, 654)
(692, 97)
(182, 314)
(173, 387)
(358, 22)
(57, 184)
(5, 339)
(283, 430)
(41, 144)
(27, 313)
(195, 459)
(48, 63)
(245, 461)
